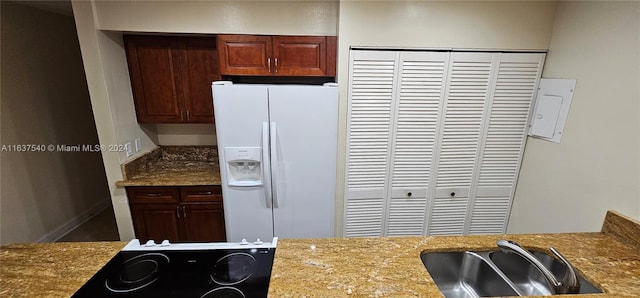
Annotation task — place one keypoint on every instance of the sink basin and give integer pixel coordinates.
(528, 279)
(465, 274)
(493, 273)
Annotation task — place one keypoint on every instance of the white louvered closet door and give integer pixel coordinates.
(515, 88)
(420, 93)
(469, 91)
(369, 138)
(435, 140)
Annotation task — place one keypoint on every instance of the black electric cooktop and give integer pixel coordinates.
(184, 270)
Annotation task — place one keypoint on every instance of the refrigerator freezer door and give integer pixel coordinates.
(240, 112)
(303, 159)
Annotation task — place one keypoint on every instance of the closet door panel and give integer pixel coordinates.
(369, 137)
(515, 89)
(516, 83)
(419, 97)
(469, 86)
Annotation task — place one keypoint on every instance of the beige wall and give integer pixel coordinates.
(569, 186)
(45, 101)
(250, 17)
(112, 102)
(186, 134)
(434, 24)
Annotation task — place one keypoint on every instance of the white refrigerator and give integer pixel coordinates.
(277, 146)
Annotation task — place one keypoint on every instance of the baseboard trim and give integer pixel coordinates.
(75, 222)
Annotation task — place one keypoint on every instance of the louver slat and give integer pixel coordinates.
(370, 119)
(369, 132)
(468, 87)
(514, 91)
(489, 215)
(447, 216)
(421, 86)
(364, 217)
(406, 216)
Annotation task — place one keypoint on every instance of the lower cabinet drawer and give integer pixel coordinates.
(153, 194)
(201, 194)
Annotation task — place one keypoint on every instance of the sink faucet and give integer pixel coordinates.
(570, 283)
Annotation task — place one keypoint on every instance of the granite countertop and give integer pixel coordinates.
(173, 166)
(350, 267)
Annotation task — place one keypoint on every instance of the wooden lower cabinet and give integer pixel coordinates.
(198, 220)
(178, 214)
(156, 221)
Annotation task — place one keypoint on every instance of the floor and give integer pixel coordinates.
(102, 227)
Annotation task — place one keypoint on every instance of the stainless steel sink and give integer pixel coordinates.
(492, 273)
(528, 279)
(466, 274)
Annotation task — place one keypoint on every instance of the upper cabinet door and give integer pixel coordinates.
(171, 77)
(153, 68)
(200, 68)
(245, 54)
(300, 55)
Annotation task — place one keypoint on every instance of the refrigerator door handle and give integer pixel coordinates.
(274, 165)
(266, 170)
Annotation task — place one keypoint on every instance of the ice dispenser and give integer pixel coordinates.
(243, 166)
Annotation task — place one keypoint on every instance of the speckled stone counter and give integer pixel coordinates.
(173, 166)
(354, 267)
(51, 269)
(391, 267)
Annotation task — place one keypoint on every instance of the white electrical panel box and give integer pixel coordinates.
(552, 108)
(244, 166)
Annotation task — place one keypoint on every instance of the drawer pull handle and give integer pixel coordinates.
(153, 195)
(453, 194)
(205, 193)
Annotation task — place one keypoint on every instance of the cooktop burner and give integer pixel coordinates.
(203, 270)
(136, 273)
(232, 269)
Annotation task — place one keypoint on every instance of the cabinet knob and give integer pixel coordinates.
(409, 194)
(453, 194)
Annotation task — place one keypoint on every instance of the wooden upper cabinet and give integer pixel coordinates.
(171, 77)
(245, 54)
(277, 55)
(152, 68)
(300, 55)
(200, 69)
